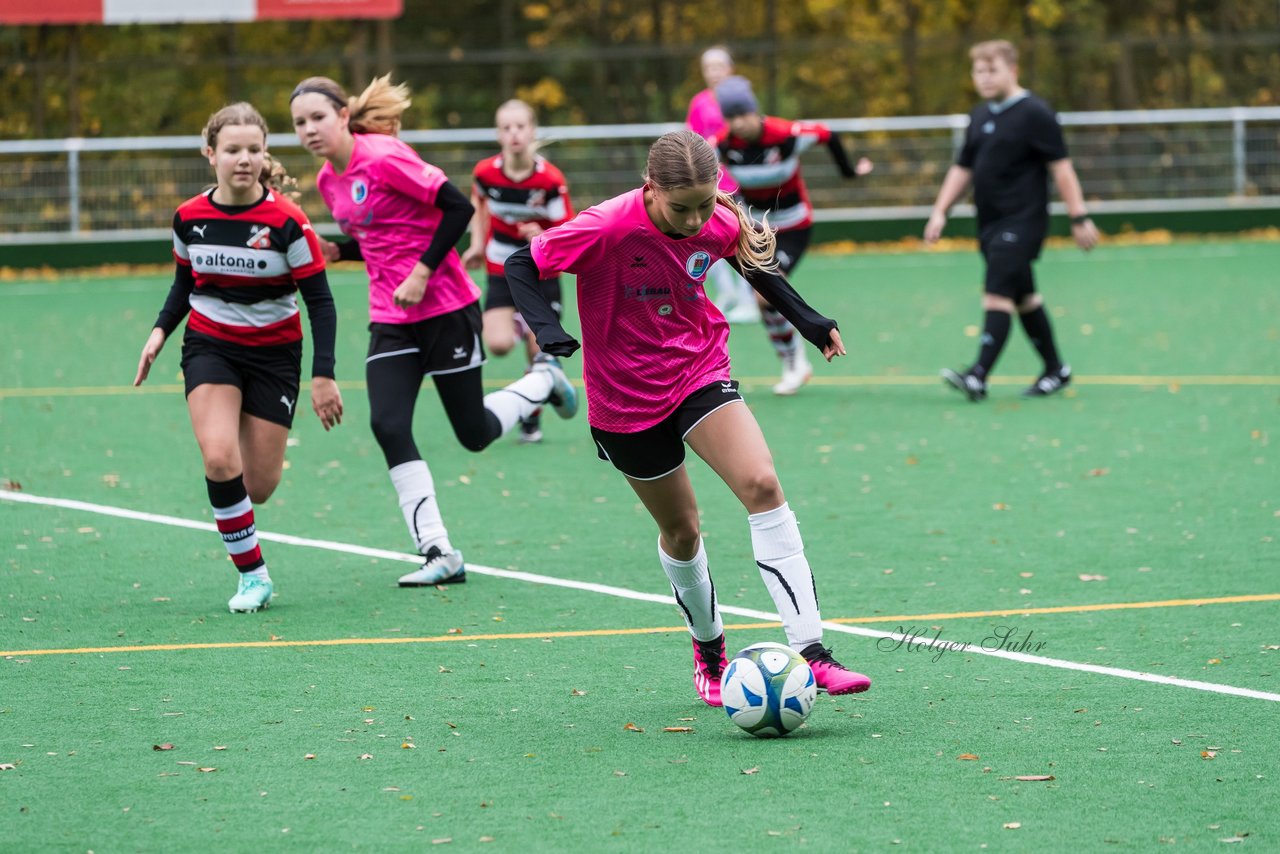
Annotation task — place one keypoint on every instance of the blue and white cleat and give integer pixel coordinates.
(563, 398)
(253, 594)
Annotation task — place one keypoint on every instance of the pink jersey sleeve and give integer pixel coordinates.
(572, 247)
(704, 116)
(409, 174)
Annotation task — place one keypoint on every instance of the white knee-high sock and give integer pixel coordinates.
(417, 493)
(695, 594)
(779, 552)
(519, 399)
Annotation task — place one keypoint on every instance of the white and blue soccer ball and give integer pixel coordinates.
(768, 689)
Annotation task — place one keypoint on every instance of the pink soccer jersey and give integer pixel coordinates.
(650, 336)
(385, 199)
(706, 120)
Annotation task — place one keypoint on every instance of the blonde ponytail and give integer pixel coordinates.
(378, 108)
(757, 242)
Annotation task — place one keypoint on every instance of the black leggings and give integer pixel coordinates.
(394, 383)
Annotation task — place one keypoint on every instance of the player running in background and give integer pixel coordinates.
(734, 295)
(656, 366)
(517, 195)
(404, 217)
(243, 251)
(762, 154)
(1013, 143)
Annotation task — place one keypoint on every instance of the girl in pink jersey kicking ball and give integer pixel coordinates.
(403, 217)
(656, 368)
(243, 252)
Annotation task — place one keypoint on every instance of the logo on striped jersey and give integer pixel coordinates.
(359, 191)
(698, 264)
(259, 237)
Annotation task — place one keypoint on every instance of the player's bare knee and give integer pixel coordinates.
(1030, 303)
(682, 536)
(994, 302)
(499, 345)
(761, 491)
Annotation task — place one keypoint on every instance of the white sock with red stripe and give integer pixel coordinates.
(416, 490)
(233, 512)
(520, 399)
(695, 593)
(781, 333)
(779, 552)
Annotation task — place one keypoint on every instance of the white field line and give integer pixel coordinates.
(625, 593)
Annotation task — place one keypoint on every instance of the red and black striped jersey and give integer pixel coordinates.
(543, 198)
(246, 261)
(767, 169)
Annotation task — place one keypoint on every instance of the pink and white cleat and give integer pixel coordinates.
(708, 663)
(832, 676)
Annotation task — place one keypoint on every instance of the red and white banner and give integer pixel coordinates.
(170, 12)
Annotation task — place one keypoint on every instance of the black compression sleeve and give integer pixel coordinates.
(522, 278)
(323, 317)
(453, 224)
(350, 251)
(815, 328)
(840, 156)
(178, 303)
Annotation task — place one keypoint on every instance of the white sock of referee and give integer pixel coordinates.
(520, 399)
(779, 552)
(695, 594)
(417, 493)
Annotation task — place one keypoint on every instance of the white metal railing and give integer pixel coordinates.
(1147, 160)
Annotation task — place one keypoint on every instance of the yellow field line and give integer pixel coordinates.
(1116, 380)
(586, 633)
(1064, 609)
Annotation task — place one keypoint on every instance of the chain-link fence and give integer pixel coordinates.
(58, 190)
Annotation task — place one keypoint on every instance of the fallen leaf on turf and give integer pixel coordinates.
(1093, 578)
(1176, 740)
(774, 832)
(454, 631)
(165, 746)
(677, 729)
(1034, 778)
(366, 755)
(7, 766)
(218, 747)
(450, 725)
(391, 788)
(619, 773)
(11, 485)
(1099, 472)
(1013, 825)
(1208, 754)
(486, 839)
(967, 757)
(1078, 711)
(444, 669)
(1215, 661)
(408, 745)
(754, 770)
(576, 693)
(206, 770)
(186, 763)
(444, 841)
(309, 756)
(999, 505)
(688, 719)
(630, 727)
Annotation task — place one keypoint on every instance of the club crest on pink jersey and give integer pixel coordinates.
(359, 191)
(698, 264)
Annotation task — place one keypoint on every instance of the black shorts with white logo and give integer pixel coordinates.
(657, 451)
(791, 248)
(445, 344)
(268, 377)
(499, 293)
(1009, 250)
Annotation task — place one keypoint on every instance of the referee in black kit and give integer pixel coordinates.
(1013, 143)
